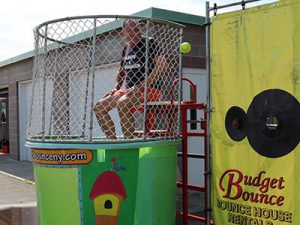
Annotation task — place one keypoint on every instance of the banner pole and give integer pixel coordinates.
(242, 3)
(207, 158)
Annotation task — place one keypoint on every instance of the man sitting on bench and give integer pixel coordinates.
(132, 70)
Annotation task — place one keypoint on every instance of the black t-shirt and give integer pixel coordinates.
(134, 62)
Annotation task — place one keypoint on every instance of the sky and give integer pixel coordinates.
(19, 17)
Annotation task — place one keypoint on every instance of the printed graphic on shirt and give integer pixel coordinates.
(130, 61)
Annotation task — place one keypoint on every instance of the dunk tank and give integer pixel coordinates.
(83, 176)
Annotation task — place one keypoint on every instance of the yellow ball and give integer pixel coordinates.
(185, 47)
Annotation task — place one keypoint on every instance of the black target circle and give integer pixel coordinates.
(236, 123)
(274, 123)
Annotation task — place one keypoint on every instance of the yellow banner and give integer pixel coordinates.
(255, 78)
(61, 156)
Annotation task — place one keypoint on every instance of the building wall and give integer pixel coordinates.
(10, 75)
(195, 35)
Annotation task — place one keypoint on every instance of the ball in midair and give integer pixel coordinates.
(185, 47)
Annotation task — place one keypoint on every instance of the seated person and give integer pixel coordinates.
(132, 70)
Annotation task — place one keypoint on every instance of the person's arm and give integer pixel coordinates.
(120, 78)
(160, 64)
(121, 75)
(158, 70)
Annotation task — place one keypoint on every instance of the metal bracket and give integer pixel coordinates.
(243, 4)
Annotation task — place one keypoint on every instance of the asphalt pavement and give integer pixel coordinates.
(17, 193)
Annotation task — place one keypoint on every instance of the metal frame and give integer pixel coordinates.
(37, 28)
(216, 7)
(91, 33)
(146, 83)
(208, 111)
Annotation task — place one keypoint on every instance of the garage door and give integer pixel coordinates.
(24, 106)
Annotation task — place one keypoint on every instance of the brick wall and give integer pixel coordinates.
(195, 35)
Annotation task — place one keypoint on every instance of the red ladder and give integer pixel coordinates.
(185, 107)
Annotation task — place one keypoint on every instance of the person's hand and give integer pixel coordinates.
(130, 92)
(110, 93)
(135, 91)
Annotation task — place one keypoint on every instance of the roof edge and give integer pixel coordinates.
(178, 16)
(17, 58)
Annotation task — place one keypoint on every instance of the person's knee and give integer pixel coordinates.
(99, 108)
(123, 105)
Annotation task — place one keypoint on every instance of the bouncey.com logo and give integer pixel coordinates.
(61, 156)
(233, 183)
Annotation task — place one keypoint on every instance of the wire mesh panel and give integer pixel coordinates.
(105, 78)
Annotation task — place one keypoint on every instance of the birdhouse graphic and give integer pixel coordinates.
(108, 192)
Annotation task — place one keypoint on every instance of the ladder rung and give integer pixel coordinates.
(192, 155)
(192, 187)
(194, 121)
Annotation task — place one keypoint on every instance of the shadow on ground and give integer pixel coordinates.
(196, 207)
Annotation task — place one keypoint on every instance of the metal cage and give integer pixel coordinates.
(76, 63)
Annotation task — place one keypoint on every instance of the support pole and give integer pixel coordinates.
(242, 3)
(207, 147)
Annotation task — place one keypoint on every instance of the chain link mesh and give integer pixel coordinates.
(105, 79)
